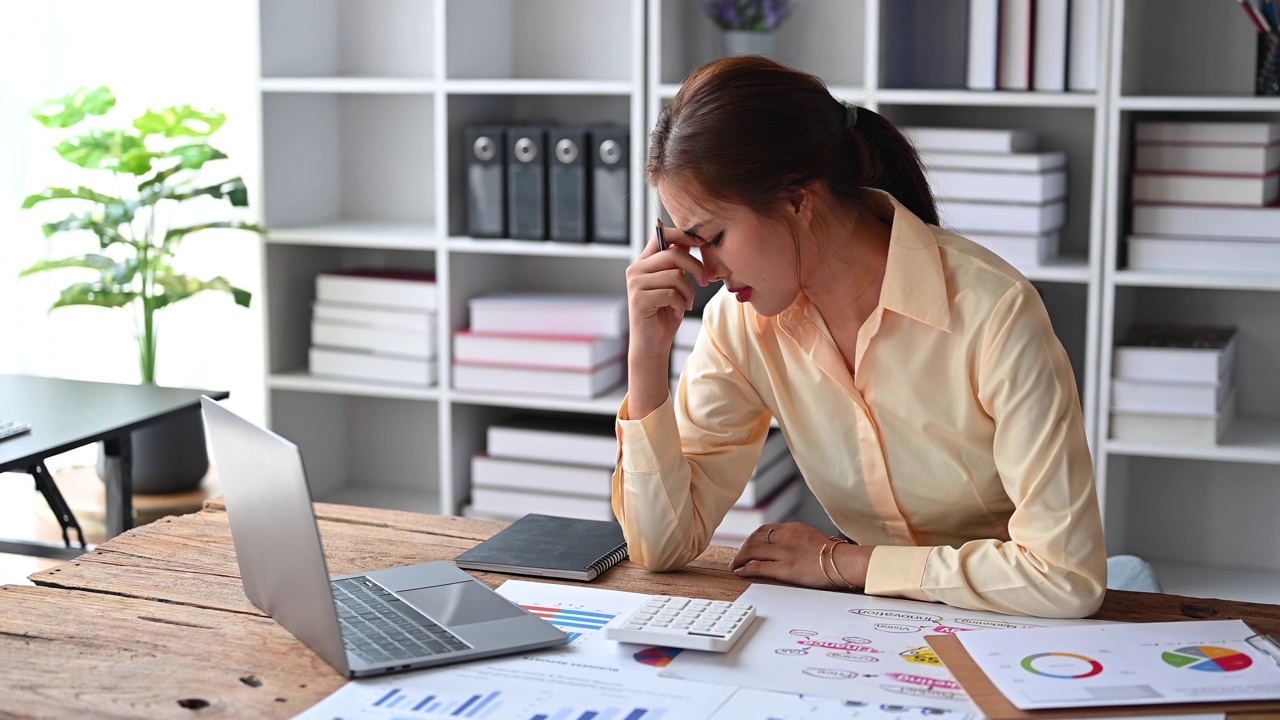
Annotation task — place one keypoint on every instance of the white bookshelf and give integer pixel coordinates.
(1200, 514)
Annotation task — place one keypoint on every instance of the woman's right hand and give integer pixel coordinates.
(659, 292)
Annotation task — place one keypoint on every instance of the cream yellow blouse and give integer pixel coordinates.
(957, 447)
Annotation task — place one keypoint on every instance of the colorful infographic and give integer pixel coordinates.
(1208, 658)
(1064, 666)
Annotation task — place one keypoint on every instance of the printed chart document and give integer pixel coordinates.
(1126, 664)
(850, 647)
(589, 677)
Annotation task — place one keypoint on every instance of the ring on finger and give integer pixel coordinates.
(768, 537)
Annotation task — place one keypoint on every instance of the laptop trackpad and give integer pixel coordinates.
(460, 603)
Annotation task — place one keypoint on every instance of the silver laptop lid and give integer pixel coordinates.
(274, 530)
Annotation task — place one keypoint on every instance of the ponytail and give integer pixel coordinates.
(886, 160)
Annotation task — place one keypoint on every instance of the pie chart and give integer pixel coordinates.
(1208, 658)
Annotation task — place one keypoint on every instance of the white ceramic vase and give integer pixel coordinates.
(747, 42)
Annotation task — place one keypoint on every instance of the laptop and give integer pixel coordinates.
(379, 622)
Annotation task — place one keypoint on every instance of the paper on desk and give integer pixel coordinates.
(590, 674)
(1129, 664)
(851, 647)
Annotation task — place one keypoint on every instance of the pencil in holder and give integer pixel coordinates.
(1268, 77)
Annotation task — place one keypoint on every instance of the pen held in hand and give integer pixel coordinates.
(662, 240)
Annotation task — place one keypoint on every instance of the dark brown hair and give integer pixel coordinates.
(749, 131)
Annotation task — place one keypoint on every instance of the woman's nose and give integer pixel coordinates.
(711, 264)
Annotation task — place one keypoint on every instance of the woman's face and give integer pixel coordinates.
(754, 254)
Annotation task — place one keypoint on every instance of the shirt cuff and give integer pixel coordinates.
(648, 444)
(897, 571)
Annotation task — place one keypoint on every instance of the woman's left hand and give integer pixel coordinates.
(790, 552)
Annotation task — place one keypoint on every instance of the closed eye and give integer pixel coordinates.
(715, 241)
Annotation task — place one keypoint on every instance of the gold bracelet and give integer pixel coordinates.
(822, 552)
(848, 585)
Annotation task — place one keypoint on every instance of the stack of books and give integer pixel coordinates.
(995, 189)
(1174, 384)
(1204, 197)
(375, 325)
(1046, 45)
(548, 464)
(686, 336)
(565, 345)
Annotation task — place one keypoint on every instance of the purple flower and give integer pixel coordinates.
(756, 15)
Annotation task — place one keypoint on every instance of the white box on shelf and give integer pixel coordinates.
(740, 522)
(380, 341)
(1215, 221)
(558, 439)
(1206, 189)
(970, 140)
(387, 288)
(1230, 132)
(1002, 218)
(370, 316)
(587, 480)
(517, 503)
(679, 356)
(1175, 353)
(367, 366)
(1008, 162)
(1204, 255)
(1019, 250)
(1002, 187)
(1140, 396)
(1172, 429)
(1207, 158)
(547, 351)
(550, 314)
(538, 381)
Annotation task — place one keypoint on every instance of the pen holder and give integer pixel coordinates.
(1267, 81)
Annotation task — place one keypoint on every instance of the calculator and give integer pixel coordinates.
(682, 622)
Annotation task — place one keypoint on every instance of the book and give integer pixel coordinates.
(970, 140)
(1011, 162)
(1203, 255)
(1207, 158)
(1019, 250)
(388, 288)
(575, 439)
(1167, 428)
(1002, 218)
(549, 546)
(547, 477)
(1205, 189)
(1049, 46)
(1017, 32)
(538, 380)
(1083, 33)
(548, 351)
(506, 504)
(1214, 221)
(687, 333)
(740, 522)
(1175, 353)
(548, 314)
(1141, 396)
(984, 44)
(380, 341)
(1231, 132)
(372, 316)
(1007, 187)
(367, 366)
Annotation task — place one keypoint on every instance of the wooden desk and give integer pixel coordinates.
(153, 623)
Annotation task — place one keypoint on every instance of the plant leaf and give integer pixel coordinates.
(73, 107)
(194, 157)
(80, 193)
(233, 189)
(174, 235)
(94, 293)
(102, 263)
(181, 287)
(103, 149)
(103, 220)
(183, 121)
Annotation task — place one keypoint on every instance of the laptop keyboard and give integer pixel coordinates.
(378, 627)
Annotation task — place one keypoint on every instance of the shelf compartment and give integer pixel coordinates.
(1200, 103)
(606, 404)
(551, 39)
(979, 98)
(331, 158)
(1185, 48)
(302, 381)
(1141, 278)
(352, 444)
(334, 38)
(359, 234)
(1248, 440)
(498, 246)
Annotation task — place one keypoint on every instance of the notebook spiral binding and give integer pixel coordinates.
(618, 555)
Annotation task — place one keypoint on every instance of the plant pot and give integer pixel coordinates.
(168, 457)
(747, 42)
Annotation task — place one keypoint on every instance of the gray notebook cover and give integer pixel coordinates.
(550, 546)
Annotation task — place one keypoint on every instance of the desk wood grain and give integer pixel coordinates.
(154, 623)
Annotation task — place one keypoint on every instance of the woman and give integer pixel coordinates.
(916, 376)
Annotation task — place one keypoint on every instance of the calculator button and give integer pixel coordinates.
(690, 623)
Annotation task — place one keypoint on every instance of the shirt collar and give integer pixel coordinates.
(914, 282)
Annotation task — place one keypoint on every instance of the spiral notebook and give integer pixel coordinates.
(550, 546)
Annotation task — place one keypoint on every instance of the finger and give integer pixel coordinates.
(756, 552)
(757, 570)
(651, 302)
(677, 237)
(673, 278)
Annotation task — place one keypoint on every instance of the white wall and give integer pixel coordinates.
(152, 54)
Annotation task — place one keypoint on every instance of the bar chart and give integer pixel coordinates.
(438, 704)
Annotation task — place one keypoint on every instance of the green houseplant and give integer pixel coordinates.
(153, 167)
